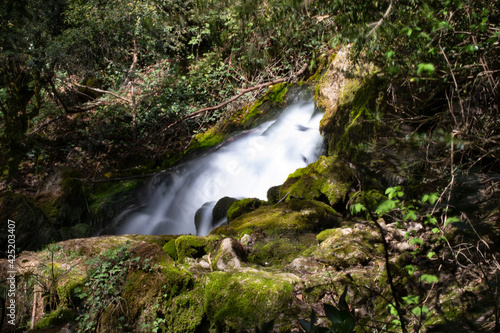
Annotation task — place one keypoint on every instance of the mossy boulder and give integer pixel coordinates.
(327, 180)
(239, 300)
(243, 206)
(191, 246)
(292, 217)
(33, 228)
(279, 252)
(221, 208)
(273, 194)
(185, 312)
(171, 249)
(72, 205)
(230, 255)
(56, 318)
(348, 247)
(210, 138)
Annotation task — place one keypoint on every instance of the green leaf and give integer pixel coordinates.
(410, 269)
(417, 311)
(332, 313)
(392, 310)
(358, 207)
(417, 241)
(410, 215)
(425, 67)
(431, 254)
(435, 230)
(431, 220)
(452, 219)
(429, 278)
(410, 299)
(431, 198)
(385, 207)
(393, 192)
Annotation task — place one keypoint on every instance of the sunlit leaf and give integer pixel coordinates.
(429, 278)
(425, 67)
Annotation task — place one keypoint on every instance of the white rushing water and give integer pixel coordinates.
(245, 166)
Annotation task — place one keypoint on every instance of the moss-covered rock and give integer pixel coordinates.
(292, 217)
(33, 228)
(55, 318)
(273, 194)
(279, 252)
(185, 313)
(348, 247)
(240, 300)
(221, 208)
(327, 180)
(243, 206)
(230, 255)
(72, 204)
(191, 246)
(171, 249)
(206, 139)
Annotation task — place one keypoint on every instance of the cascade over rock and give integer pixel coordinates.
(246, 165)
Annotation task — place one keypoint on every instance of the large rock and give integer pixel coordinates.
(327, 180)
(292, 217)
(347, 247)
(219, 212)
(230, 255)
(33, 229)
(243, 206)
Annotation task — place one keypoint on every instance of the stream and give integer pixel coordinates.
(244, 166)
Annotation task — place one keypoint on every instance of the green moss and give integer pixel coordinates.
(292, 217)
(191, 246)
(171, 249)
(239, 300)
(207, 139)
(185, 313)
(66, 285)
(354, 121)
(279, 252)
(326, 180)
(243, 206)
(48, 204)
(145, 293)
(322, 236)
(273, 194)
(347, 247)
(109, 198)
(56, 317)
(107, 193)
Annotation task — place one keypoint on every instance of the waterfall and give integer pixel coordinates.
(245, 166)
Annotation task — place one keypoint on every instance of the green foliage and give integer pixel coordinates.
(103, 289)
(341, 318)
(396, 207)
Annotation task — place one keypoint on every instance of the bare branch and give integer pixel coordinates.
(102, 91)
